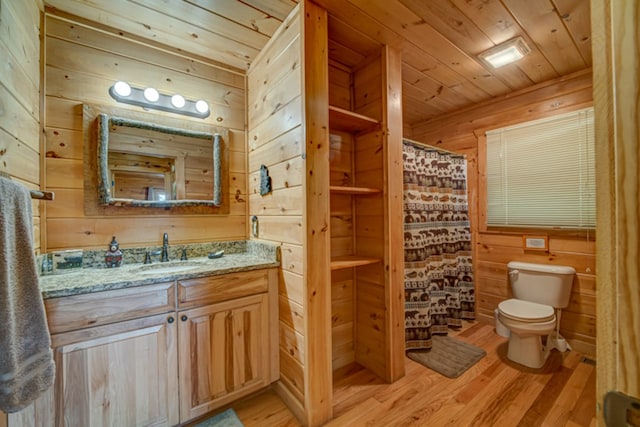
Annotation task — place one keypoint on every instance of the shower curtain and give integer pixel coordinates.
(438, 274)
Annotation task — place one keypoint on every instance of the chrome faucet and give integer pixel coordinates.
(165, 248)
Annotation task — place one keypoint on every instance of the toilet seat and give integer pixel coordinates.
(526, 311)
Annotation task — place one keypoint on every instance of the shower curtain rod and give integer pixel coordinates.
(422, 144)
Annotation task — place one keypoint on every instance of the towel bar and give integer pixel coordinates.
(35, 194)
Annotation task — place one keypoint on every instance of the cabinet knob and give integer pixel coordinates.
(170, 319)
(184, 318)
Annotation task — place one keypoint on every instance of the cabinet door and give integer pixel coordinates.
(124, 374)
(223, 353)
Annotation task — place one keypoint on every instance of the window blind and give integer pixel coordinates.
(542, 173)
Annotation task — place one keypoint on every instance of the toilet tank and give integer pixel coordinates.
(541, 283)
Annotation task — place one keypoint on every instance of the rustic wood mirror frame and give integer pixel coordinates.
(98, 201)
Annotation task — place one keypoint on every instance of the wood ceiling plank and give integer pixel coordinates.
(412, 54)
(417, 58)
(432, 90)
(241, 13)
(418, 104)
(207, 21)
(546, 29)
(278, 8)
(413, 27)
(357, 18)
(349, 36)
(576, 15)
(494, 20)
(462, 32)
(151, 25)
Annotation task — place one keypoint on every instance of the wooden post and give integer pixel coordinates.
(318, 384)
(394, 246)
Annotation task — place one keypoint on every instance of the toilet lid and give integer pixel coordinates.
(526, 311)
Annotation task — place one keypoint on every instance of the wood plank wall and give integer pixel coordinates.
(82, 62)
(20, 81)
(274, 83)
(493, 250)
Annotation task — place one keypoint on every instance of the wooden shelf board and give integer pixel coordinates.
(349, 261)
(338, 189)
(349, 121)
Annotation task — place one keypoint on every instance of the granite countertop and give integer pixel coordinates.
(88, 280)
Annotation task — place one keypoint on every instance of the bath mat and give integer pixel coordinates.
(227, 418)
(448, 356)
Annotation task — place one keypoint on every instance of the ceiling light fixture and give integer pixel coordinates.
(505, 53)
(151, 98)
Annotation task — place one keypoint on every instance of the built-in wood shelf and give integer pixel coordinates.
(349, 121)
(349, 261)
(339, 189)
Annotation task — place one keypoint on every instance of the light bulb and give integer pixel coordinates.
(177, 101)
(202, 106)
(122, 88)
(151, 95)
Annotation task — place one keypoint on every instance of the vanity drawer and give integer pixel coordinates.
(207, 290)
(100, 308)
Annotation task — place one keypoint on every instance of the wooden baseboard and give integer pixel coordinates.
(587, 349)
(483, 318)
(294, 405)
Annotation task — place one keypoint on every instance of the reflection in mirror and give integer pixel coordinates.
(143, 164)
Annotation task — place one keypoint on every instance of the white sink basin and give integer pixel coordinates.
(166, 269)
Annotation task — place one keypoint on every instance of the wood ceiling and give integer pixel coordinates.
(440, 39)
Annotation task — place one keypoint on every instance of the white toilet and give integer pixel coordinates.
(538, 290)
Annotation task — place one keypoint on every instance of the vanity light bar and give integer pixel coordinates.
(151, 98)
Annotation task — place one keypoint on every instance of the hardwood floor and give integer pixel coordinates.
(494, 392)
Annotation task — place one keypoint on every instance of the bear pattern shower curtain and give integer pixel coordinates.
(438, 273)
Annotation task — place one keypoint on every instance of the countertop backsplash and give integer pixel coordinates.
(95, 258)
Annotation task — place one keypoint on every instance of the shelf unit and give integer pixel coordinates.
(349, 261)
(363, 191)
(354, 124)
(357, 211)
(348, 121)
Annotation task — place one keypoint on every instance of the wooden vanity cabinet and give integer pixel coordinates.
(119, 353)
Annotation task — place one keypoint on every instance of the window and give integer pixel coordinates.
(542, 173)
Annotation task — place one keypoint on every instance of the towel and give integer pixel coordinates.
(26, 360)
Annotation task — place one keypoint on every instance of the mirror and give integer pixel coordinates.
(143, 164)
